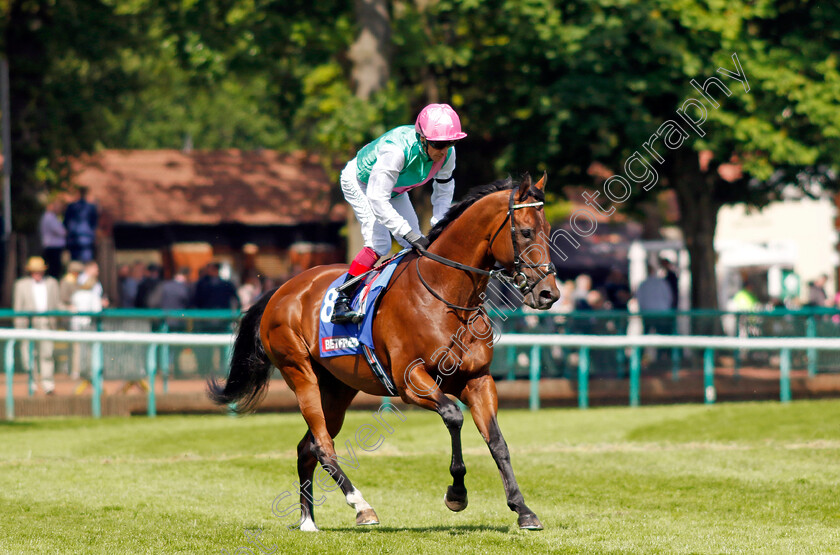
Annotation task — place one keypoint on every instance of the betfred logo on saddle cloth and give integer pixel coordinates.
(349, 339)
(329, 344)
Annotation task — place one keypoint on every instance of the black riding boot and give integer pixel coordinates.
(342, 313)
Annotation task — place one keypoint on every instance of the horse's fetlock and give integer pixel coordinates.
(458, 472)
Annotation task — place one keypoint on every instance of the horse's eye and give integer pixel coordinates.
(527, 233)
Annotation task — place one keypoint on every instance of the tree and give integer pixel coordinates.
(559, 87)
(65, 71)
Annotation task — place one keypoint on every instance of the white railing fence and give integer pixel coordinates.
(585, 343)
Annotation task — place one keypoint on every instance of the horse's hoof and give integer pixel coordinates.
(366, 517)
(454, 502)
(530, 522)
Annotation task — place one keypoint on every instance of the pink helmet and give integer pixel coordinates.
(439, 122)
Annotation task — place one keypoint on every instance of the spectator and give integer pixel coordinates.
(269, 283)
(654, 295)
(816, 291)
(579, 321)
(176, 294)
(672, 280)
(37, 293)
(250, 290)
(69, 284)
(835, 303)
(583, 284)
(88, 297)
(213, 293)
(617, 290)
(123, 274)
(80, 219)
(148, 293)
(745, 299)
(567, 297)
(602, 360)
(130, 277)
(53, 239)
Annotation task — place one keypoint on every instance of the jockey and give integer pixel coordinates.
(374, 183)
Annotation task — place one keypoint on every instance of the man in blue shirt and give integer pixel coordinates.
(80, 219)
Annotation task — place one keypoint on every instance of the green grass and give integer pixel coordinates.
(731, 478)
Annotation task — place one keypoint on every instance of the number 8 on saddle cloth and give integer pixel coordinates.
(349, 339)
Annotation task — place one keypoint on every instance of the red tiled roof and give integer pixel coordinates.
(153, 187)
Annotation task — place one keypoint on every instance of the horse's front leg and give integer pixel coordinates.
(425, 393)
(480, 395)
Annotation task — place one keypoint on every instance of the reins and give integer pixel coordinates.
(517, 278)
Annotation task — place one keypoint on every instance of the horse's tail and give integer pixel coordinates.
(250, 367)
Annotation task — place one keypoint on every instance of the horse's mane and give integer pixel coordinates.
(473, 196)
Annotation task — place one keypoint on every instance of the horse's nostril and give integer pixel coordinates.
(546, 294)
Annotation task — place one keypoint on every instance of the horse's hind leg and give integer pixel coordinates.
(335, 400)
(323, 405)
(306, 469)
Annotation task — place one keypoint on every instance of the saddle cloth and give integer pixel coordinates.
(350, 339)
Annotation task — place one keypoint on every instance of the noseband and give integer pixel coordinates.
(518, 278)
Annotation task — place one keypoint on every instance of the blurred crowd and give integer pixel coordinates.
(583, 309)
(66, 278)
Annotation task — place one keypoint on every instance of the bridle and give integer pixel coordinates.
(518, 278)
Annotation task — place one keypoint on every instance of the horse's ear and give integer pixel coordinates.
(524, 185)
(541, 183)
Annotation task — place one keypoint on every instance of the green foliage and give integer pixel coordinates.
(65, 72)
(558, 86)
(232, 112)
(540, 86)
(334, 121)
(557, 209)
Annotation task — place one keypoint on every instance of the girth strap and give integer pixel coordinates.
(379, 371)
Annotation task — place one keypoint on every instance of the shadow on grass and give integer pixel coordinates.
(458, 529)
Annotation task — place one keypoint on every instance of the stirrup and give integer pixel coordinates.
(343, 314)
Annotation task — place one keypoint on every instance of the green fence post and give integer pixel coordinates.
(96, 380)
(510, 357)
(635, 375)
(535, 377)
(583, 378)
(676, 359)
(32, 362)
(9, 362)
(621, 360)
(151, 370)
(784, 378)
(710, 395)
(226, 350)
(811, 331)
(164, 358)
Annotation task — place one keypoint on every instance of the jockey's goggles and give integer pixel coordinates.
(440, 145)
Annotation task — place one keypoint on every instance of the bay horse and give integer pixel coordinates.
(432, 301)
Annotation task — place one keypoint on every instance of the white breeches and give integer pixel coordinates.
(375, 235)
